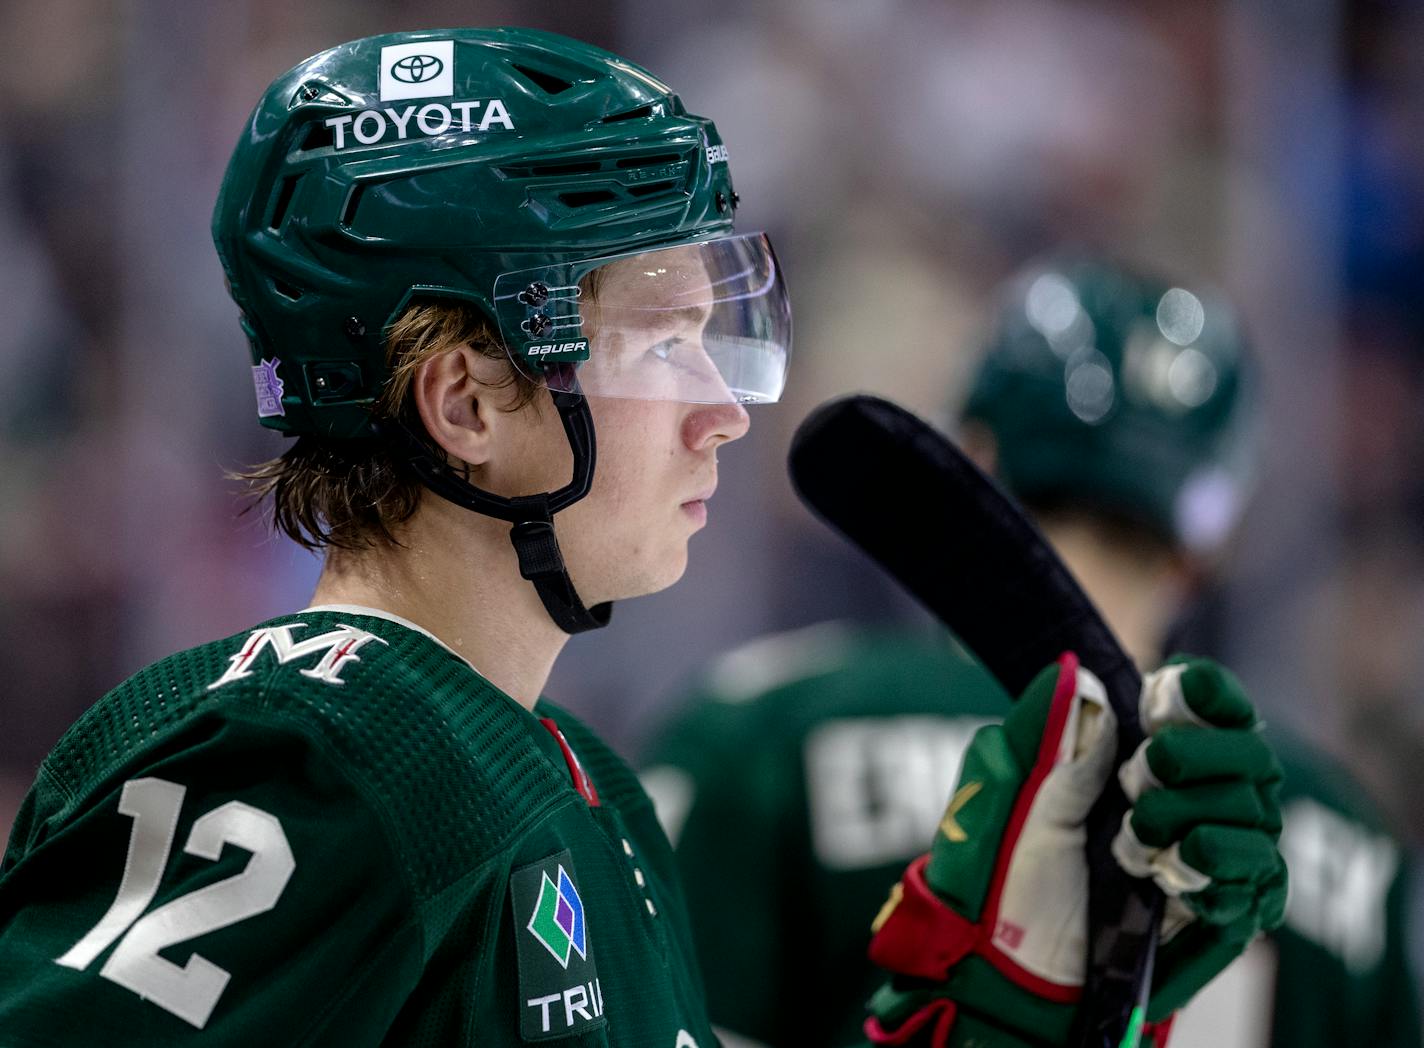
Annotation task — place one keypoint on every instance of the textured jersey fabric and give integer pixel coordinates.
(330, 830)
(809, 768)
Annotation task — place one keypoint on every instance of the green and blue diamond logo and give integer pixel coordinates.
(559, 990)
(558, 920)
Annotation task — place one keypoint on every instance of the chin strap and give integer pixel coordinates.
(532, 516)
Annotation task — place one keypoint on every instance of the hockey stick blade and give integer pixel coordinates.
(909, 499)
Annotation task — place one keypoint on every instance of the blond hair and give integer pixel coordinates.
(355, 494)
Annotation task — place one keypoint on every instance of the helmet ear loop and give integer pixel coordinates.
(531, 516)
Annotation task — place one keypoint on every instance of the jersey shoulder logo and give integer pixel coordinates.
(559, 991)
(338, 648)
(558, 918)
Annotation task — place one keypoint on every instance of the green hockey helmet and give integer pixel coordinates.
(503, 167)
(561, 190)
(1110, 389)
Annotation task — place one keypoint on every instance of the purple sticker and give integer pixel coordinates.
(269, 388)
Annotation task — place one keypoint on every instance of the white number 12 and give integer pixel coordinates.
(190, 992)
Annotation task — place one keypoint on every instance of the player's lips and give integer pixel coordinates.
(696, 507)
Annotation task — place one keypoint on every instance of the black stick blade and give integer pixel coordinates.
(904, 494)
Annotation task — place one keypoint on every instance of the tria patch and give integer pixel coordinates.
(559, 991)
(558, 920)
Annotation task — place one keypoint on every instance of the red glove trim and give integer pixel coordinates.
(1048, 747)
(1159, 1032)
(923, 937)
(915, 1023)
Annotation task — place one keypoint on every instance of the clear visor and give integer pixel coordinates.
(704, 323)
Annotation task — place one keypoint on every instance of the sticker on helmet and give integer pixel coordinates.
(425, 69)
(269, 388)
(557, 352)
(434, 118)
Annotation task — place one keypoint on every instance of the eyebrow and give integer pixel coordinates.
(686, 314)
(691, 314)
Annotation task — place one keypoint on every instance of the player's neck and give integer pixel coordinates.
(456, 575)
(1138, 600)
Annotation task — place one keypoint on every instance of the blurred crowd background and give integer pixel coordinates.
(906, 156)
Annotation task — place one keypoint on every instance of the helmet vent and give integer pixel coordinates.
(284, 201)
(631, 114)
(649, 161)
(287, 291)
(319, 137)
(587, 197)
(553, 170)
(546, 82)
(353, 203)
(650, 188)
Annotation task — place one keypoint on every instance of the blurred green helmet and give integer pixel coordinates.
(1111, 390)
(435, 163)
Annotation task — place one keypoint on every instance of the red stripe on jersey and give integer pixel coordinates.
(582, 783)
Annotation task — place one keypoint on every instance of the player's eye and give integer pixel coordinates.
(664, 349)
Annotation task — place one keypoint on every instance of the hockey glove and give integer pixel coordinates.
(986, 936)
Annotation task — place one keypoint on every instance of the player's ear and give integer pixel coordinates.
(459, 403)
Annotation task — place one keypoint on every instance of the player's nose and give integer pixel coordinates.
(710, 425)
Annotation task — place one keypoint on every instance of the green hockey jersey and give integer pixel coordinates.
(814, 765)
(331, 830)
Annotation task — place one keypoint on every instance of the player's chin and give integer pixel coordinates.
(655, 573)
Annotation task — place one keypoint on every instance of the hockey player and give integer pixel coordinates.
(1119, 409)
(464, 259)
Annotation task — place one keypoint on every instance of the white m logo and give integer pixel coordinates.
(339, 647)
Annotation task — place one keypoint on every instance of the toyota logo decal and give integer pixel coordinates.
(416, 69)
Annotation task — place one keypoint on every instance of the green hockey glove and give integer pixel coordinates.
(986, 936)
(1204, 824)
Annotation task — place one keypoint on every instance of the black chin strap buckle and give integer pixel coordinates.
(531, 515)
(537, 548)
(542, 564)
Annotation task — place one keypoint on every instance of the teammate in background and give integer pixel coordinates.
(463, 257)
(1119, 410)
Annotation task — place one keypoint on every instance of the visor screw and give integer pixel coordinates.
(354, 327)
(309, 92)
(721, 201)
(538, 324)
(536, 294)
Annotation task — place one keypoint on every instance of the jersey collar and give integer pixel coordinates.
(377, 613)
